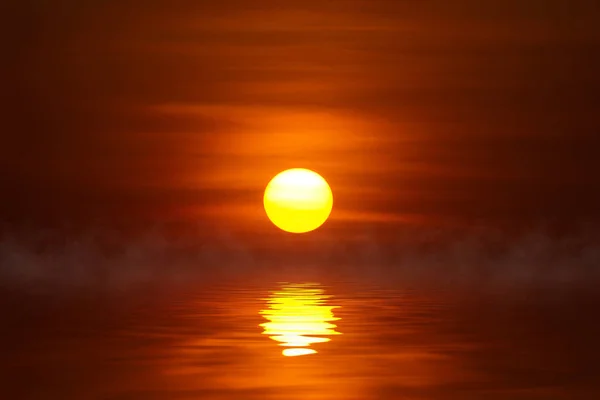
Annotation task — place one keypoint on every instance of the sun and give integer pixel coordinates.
(298, 200)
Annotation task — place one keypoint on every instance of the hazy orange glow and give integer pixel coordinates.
(299, 318)
(298, 200)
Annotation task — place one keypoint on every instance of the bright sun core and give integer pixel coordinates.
(298, 200)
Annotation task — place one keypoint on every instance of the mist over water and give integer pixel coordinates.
(483, 260)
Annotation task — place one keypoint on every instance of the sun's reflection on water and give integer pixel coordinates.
(298, 317)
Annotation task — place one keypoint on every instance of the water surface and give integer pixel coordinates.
(300, 340)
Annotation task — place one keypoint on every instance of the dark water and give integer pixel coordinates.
(365, 342)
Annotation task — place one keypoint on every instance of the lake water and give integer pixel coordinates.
(300, 340)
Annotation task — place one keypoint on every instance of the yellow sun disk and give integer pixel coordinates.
(298, 200)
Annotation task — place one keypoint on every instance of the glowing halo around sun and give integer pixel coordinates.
(298, 200)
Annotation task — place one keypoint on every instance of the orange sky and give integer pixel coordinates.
(413, 111)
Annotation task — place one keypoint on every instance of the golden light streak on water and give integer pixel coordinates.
(298, 316)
